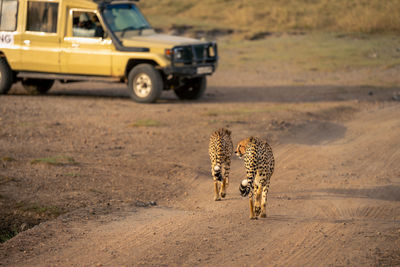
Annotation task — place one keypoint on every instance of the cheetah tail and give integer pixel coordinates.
(217, 172)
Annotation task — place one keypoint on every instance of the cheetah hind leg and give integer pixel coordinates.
(264, 201)
(227, 168)
(225, 180)
(251, 204)
(223, 188)
(216, 173)
(217, 196)
(257, 201)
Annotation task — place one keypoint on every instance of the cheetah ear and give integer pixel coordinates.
(242, 149)
(228, 132)
(238, 150)
(251, 139)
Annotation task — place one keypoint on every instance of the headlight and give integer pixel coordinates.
(176, 53)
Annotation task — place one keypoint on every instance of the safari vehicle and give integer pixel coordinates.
(92, 40)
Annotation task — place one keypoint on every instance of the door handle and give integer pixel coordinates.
(75, 45)
(27, 42)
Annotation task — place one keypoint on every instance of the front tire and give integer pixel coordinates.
(192, 89)
(6, 77)
(37, 86)
(145, 83)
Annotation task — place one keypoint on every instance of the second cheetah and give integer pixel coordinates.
(260, 163)
(220, 151)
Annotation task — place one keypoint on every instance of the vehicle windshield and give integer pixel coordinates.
(125, 17)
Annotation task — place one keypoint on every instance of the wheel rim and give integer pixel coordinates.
(142, 85)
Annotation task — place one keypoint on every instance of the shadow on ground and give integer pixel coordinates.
(295, 94)
(388, 192)
(281, 94)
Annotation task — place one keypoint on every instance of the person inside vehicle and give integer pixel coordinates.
(85, 27)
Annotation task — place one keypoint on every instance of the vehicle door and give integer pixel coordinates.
(9, 37)
(40, 40)
(85, 50)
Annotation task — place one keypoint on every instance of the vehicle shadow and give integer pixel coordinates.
(91, 90)
(215, 94)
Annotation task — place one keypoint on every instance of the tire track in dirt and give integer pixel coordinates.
(374, 212)
(312, 247)
(339, 209)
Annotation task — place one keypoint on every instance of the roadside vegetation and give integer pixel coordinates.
(20, 216)
(308, 35)
(57, 161)
(249, 18)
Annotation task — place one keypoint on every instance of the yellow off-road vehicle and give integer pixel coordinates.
(97, 40)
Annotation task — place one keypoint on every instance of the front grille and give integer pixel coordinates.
(195, 54)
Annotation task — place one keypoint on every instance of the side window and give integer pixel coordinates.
(42, 17)
(8, 15)
(86, 24)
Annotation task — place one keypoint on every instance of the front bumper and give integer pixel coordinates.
(196, 70)
(193, 60)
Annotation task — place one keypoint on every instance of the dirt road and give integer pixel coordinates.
(133, 186)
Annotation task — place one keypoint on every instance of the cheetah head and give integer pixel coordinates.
(241, 147)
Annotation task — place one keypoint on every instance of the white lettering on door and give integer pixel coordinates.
(6, 39)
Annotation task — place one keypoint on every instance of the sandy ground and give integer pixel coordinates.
(126, 193)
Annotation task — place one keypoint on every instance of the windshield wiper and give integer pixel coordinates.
(143, 27)
(127, 29)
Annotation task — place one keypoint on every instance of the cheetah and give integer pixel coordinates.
(220, 150)
(260, 163)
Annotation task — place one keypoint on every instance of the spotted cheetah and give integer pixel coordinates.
(220, 151)
(260, 163)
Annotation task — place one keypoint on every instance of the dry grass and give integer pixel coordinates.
(56, 161)
(252, 17)
(7, 158)
(146, 123)
(35, 208)
(313, 52)
(245, 111)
